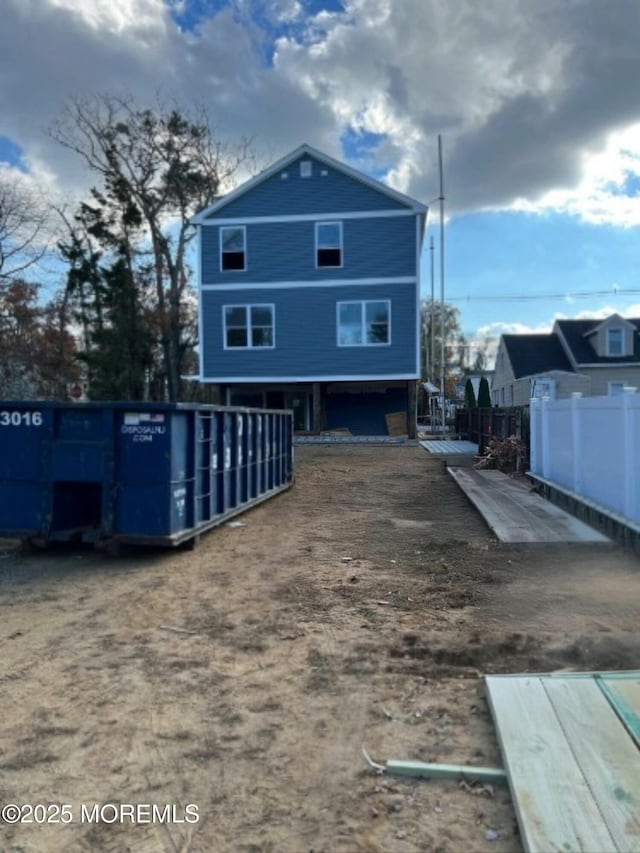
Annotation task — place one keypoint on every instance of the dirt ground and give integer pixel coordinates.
(359, 608)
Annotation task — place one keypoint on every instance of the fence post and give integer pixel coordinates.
(544, 435)
(631, 460)
(534, 428)
(576, 441)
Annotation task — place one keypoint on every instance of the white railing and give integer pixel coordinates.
(590, 446)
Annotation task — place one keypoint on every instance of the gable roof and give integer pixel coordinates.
(532, 354)
(286, 161)
(576, 336)
(612, 318)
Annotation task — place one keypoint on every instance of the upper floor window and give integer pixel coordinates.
(616, 388)
(305, 168)
(364, 323)
(248, 326)
(328, 244)
(233, 247)
(615, 341)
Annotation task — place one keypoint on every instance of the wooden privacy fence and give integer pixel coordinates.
(481, 425)
(590, 446)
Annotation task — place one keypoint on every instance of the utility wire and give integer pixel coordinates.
(532, 297)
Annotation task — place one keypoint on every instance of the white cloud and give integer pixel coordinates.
(541, 129)
(605, 195)
(115, 16)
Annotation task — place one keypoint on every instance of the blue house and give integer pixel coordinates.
(309, 290)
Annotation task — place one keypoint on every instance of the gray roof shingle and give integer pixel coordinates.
(574, 332)
(531, 354)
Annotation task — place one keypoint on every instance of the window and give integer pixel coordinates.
(248, 326)
(616, 388)
(233, 254)
(615, 341)
(363, 324)
(543, 388)
(305, 168)
(329, 244)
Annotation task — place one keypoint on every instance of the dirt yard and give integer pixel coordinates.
(359, 608)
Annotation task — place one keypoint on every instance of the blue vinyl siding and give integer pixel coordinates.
(331, 193)
(306, 334)
(285, 251)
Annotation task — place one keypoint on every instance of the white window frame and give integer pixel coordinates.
(341, 246)
(247, 309)
(622, 342)
(613, 385)
(306, 168)
(242, 228)
(363, 323)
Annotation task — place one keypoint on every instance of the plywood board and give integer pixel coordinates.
(555, 807)
(604, 752)
(396, 423)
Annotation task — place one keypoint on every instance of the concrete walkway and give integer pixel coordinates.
(517, 514)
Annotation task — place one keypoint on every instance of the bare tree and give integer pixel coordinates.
(23, 216)
(160, 166)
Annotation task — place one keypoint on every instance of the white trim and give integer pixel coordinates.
(244, 250)
(198, 271)
(363, 303)
(285, 285)
(302, 217)
(612, 365)
(229, 380)
(341, 246)
(248, 306)
(284, 162)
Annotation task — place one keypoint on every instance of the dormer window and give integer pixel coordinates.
(615, 342)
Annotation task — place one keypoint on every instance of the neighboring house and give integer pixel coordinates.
(309, 295)
(594, 357)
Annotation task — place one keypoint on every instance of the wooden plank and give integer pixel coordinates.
(561, 673)
(517, 515)
(604, 752)
(420, 769)
(553, 803)
(443, 447)
(624, 696)
(506, 524)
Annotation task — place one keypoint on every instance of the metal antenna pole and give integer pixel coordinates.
(432, 357)
(442, 324)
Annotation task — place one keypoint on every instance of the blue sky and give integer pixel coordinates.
(541, 147)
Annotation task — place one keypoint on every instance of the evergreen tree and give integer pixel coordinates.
(469, 395)
(484, 394)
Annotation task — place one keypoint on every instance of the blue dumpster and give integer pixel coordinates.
(138, 473)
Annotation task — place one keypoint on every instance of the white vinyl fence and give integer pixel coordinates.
(591, 446)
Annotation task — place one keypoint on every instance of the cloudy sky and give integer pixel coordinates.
(537, 103)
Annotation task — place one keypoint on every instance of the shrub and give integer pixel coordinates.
(505, 454)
